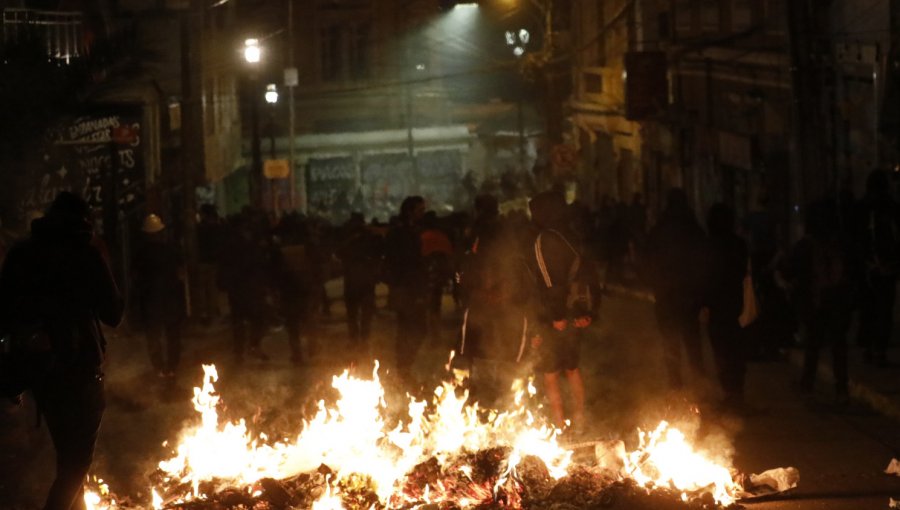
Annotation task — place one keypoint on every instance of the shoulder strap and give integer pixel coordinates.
(542, 265)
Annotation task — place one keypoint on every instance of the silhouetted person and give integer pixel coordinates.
(726, 267)
(879, 239)
(291, 281)
(437, 250)
(819, 270)
(361, 257)
(58, 283)
(557, 323)
(494, 283)
(243, 276)
(210, 237)
(674, 247)
(407, 279)
(159, 289)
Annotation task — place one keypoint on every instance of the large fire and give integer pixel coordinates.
(434, 456)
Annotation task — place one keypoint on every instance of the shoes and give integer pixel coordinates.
(297, 360)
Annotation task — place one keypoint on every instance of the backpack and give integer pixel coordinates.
(579, 300)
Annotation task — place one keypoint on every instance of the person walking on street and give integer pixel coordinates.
(674, 246)
(159, 288)
(820, 271)
(244, 277)
(726, 265)
(57, 283)
(210, 236)
(437, 250)
(561, 316)
(408, 285)
(361, 258)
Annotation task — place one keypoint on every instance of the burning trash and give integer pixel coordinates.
(447, 454)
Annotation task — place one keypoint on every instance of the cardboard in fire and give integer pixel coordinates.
(98, 155)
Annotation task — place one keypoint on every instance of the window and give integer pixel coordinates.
(741, 15)
(711, 16)
(332, 54)
(684, 18)
(360, 51)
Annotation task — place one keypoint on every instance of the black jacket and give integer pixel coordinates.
(57, 279)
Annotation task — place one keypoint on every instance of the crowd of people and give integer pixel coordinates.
(527, 286)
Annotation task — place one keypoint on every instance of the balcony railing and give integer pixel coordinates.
(62, 33)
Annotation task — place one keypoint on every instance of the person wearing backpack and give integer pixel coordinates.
(564, 305)
(55, 290)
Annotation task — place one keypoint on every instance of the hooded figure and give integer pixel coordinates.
(675, 249)
(557, 327)
(58, 283)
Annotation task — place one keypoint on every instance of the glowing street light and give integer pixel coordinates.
(271, 93)
(252, 51)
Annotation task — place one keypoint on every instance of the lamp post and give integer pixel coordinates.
(271, 96)
(252, 55)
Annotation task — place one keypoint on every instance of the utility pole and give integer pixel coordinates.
(291, 79)
(191, 133)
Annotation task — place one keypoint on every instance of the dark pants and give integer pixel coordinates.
(826, 327)
(164, 361)
(728, 344)
(247, 322)
(359, 299)
(72, 410)
(876, 317)
(411, 326)
(679, 325)
(294, 314)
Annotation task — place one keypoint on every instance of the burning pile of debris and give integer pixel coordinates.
(448, 455)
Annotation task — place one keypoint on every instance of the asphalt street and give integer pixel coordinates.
(841, 452)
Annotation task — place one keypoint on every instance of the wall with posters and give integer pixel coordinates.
(331, 187)
(440, 179)
(98, 156)
(386, 180)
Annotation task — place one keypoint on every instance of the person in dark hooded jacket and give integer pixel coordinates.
(558, 327)
(58, 282)
(879, 240)
(674, 247)
(726, 268)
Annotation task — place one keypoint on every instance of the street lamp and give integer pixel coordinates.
(252, 51)
(271, 93)
(253, 54)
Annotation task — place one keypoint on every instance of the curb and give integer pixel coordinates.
(860, 391)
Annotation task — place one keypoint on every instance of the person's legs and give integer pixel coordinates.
(367, 311)
(689, 328)
(815, 332)
(292, 323)
(671, 343)
(725, 336)
(72, 413)
(352, 302)
(239, 317)
(554, 397)
(576, 389)
(885, 290)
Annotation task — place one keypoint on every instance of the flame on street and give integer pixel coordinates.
(355, 440)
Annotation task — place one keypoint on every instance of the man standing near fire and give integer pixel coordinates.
(55, 290)
(564, 306)
(407, 279)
